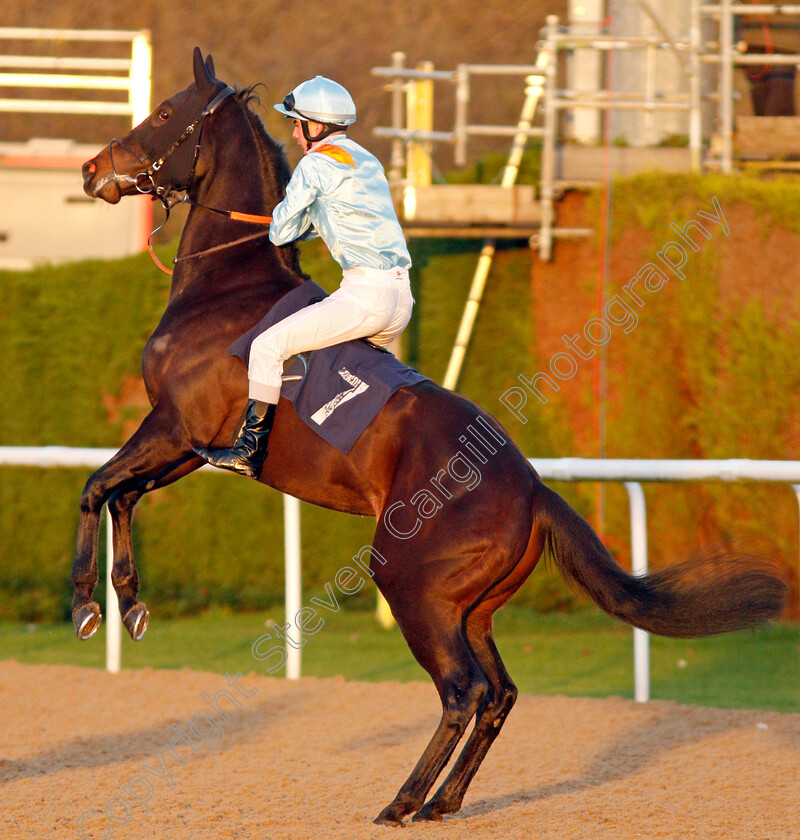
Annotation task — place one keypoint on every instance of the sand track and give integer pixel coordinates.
(320, 758)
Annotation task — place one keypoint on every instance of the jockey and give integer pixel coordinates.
(339, 192)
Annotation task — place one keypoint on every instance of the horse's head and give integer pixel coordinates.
(160, 154)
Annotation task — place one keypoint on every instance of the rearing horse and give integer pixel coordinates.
(443, 572)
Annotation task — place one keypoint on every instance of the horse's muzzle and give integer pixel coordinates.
(88, 170)
(97, 185)
(91, 183)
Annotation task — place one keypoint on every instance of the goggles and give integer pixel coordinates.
(288, 104)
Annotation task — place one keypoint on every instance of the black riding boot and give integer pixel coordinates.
(248, 454)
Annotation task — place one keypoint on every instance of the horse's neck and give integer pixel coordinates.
(242, 186)
(237, 181)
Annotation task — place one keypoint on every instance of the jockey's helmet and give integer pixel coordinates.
(321, 100)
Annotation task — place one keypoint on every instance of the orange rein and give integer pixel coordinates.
(231, 214)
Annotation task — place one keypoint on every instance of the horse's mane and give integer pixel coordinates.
(274, 164)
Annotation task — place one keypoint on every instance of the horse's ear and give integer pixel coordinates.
(201, 76)
(210, 67)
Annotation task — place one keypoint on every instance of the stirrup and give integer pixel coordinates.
(296, 377)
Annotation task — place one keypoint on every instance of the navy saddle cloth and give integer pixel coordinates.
(337, 391)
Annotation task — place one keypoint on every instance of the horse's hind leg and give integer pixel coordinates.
(433, 630)
(502, 692)
(489, 719)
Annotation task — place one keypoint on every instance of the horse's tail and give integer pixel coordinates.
(698, 597)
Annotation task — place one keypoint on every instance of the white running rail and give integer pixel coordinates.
(630, 472)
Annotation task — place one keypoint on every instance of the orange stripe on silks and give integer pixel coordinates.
(337, 153)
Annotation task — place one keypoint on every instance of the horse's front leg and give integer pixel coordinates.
(86, 614)
(124, 576)
(156, 454)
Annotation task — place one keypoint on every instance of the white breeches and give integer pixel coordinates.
(368, 304)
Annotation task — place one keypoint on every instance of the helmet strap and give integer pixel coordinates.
(327, 130)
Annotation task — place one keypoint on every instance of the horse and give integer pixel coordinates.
(444, 561)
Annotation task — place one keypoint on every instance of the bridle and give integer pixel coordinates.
(168, 194)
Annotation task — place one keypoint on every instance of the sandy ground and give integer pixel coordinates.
(320, 758)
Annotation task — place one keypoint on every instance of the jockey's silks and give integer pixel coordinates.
(338, 191)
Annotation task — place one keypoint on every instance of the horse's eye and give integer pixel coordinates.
(163, 115)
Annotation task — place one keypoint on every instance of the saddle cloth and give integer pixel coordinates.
(337, 391)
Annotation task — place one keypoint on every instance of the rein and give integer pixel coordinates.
(235, 215)
(220, 247)
(231, 214)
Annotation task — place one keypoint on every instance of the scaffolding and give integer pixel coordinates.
(731, 54)
(708, 103)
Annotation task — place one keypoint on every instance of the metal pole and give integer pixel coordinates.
(470, 314)
(549, 141)
(398, 158)
(696, 113)
(462, 107)
(796, 488)
(419, 117)
(140, 90)
(113, 618)
(641, 639)
(649, 95)
(533, 91)
(291, 547)
(726, 84)
(141, 64)
(663, 31)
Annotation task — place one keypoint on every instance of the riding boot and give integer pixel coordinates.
(248, 454)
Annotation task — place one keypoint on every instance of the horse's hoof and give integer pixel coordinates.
(427, 814)
(390, 815)
(86, 620)
(136, 620)
(390, 821)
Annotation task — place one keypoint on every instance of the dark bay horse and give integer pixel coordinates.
(444, 560)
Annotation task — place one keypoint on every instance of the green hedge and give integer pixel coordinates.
(71, 339)
(721, 381)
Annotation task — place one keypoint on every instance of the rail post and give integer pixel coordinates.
(641, 639)
(113, 618)
(293, 583)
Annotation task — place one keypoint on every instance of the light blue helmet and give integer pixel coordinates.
(321, 100)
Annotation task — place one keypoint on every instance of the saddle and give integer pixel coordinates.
(337, 391)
